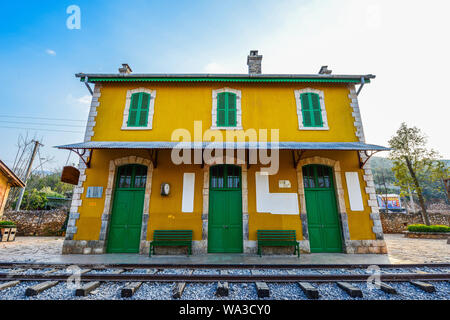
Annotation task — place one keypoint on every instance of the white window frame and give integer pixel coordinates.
(151, 109)
(298, 101)
(238, 109)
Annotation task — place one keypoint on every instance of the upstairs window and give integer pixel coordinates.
(311, 110)
(226, 109)
(138, 114)
(139, 109)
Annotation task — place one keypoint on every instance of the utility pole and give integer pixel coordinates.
(27, 174)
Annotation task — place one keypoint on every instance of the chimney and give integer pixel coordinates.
(324, 70)
(254, 62)
(125, 69)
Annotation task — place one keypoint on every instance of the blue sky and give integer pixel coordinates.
(402, 43)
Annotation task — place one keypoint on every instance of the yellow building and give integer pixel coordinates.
(7, 180)
(224, 155)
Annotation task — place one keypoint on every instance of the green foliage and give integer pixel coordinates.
(383, 174)
(409, 154)
(7, 223)
(50, 193)
(33, 200)
(424, 228)
(53, 182)
(414, 165)
(38, 189)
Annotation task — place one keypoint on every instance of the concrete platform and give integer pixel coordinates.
(401, 251)
(315, 258)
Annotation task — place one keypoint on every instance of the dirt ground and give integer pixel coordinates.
(407, 250)
(400, 249)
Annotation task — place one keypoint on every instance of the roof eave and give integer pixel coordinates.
(91, 76)
(14, 180)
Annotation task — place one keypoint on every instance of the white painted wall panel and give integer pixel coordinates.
(187, 204)
(275, 203)
(354, 191)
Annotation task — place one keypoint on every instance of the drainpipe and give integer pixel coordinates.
(362, 85)
(86, 83)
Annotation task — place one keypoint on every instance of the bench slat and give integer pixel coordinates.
(171, 238)
(277, 238)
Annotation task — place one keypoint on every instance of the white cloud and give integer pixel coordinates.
(214, 67)
(83, 101)
(50, 52)
(401, 42)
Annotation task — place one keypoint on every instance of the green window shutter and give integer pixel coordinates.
(139, 107)
(317, 112)
(306, 110)
(226, 109)
(132, 112)
(231, 109)
(143, 114)
(311, 110)
(221, 110)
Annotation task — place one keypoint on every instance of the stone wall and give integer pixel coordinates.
(397, 222)
(38, 222)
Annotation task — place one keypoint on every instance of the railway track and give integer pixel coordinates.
(219, 266)
(36, 279)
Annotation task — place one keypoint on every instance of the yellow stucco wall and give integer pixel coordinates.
(263, 107)
(178, 106)
(4, 191)
(165, 212)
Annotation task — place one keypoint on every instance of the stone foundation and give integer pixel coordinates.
(38, 222)
(175, 250)
(94, 247)
(365, 246)
(397, 222)
(83, 247)
(200, 247)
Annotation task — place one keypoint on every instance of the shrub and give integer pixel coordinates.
(424, 228)
(6, 223)
(33, 200)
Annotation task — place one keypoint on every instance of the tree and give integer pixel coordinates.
(414, 164)
(33, 200)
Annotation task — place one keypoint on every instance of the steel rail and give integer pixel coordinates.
(229, 277)
(216, 265)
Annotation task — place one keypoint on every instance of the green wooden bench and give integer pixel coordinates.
(277, 238)
(171, 238)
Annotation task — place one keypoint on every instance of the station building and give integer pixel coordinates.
(224, 155)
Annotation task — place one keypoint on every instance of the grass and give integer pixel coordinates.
(424, 228)
(6, 223)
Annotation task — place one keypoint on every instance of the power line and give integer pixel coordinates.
(22, 128)
(42, 124)
(27, 117)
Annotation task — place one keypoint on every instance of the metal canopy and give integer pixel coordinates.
(356, 146)
(143, 77)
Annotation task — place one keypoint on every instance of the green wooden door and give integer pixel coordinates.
(323, 220)
(225, 209)
(126, 216)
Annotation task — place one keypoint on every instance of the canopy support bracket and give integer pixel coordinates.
(247, 158)
(368, 156)
(296, 157)
(86, 83)
(153, 153)
(203, 162)
(81, 155)
(361, 86)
